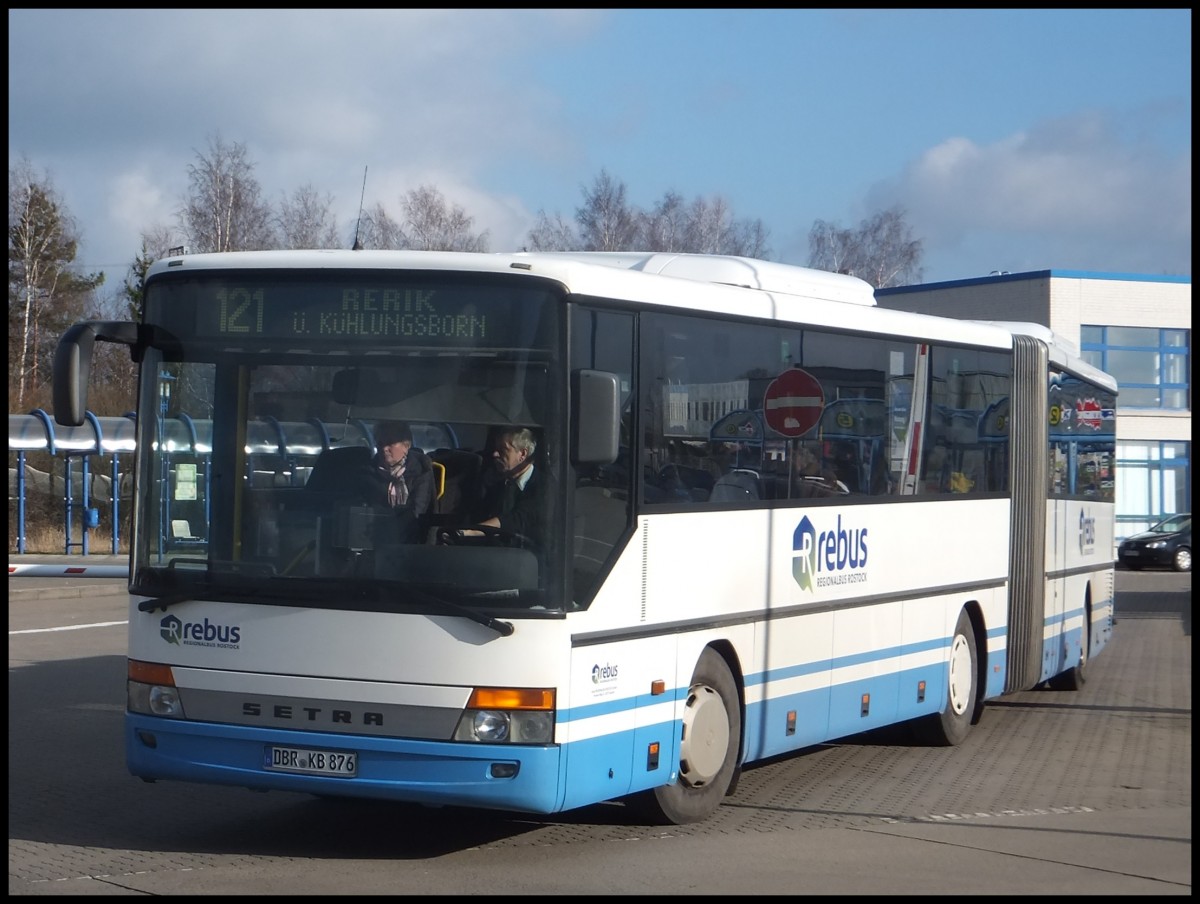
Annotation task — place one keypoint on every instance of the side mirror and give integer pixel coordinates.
(596, 416)
(73, 364)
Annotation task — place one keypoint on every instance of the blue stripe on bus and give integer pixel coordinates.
(439, 773)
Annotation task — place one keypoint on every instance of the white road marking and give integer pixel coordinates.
(103, 624)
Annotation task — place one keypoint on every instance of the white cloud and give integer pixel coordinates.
(1069, 193)
(419, 97)
(137, 203)
(508, 112)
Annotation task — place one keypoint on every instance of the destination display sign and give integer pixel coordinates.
(348, 309)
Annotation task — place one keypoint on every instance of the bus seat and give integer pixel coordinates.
(736, 486)
(181, 530)
(439, 479)
(460, 482)
(333, 467)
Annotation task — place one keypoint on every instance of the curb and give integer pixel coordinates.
(56, 591)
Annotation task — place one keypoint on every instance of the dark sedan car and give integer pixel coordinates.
(1167, 543)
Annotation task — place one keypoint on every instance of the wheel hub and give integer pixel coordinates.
(705, 737)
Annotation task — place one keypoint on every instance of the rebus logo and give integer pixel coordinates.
(171, 629)
(804, 544)
(202, 633)
(828, 557)
(1087, 533)
(604, 672)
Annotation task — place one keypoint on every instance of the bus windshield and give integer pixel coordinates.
(261, 396)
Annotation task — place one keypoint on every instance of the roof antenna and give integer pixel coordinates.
(357, 244)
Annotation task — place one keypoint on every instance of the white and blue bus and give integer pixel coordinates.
(691, 602)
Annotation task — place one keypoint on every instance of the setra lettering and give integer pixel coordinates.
(285, 712)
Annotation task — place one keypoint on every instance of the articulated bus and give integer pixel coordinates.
(692, 600)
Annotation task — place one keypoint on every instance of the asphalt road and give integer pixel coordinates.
(1054, 793)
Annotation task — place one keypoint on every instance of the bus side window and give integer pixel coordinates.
(603, 494)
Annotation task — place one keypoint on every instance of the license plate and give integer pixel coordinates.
(340, 763)
(1130, 552)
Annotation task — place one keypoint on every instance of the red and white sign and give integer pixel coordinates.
(1088, 413)
(793, 403)
(41, 570)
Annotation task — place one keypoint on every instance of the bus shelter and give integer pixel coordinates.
(277, 454)
(75, 446)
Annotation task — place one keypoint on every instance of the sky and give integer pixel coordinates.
(1013, 140)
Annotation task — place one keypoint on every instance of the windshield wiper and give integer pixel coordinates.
(193, 566)
(164, 602)
(503, 628)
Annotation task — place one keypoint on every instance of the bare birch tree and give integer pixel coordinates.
(702, 227)
(881, 251)
(749, 239)
(430, 224)
(433, 224)
(306, 220)
(708, 225)
(376, 229)
(665, 227)
(606, 220)
(832, 248)
(552, 234)
(891, 256)
(224, 210)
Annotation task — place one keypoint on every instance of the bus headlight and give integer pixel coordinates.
(534, 728)
(490, 725)
(154, 700)
(508, 716)
(151, 691)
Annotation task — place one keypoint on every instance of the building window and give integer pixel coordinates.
(1151, 365)
(1152, 482)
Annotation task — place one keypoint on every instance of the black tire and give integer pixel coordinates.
(1074, 678)
(708, 751)
(950, 727)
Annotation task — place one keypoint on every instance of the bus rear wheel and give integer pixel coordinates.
(708, 748)
(951, 726)
(1074, 678)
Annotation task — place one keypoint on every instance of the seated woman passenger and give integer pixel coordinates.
(400, 477)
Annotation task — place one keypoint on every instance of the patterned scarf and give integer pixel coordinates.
(397, 488)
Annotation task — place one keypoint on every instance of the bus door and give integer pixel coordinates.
(1061, 531)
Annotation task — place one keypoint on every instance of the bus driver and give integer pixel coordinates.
(511, 495)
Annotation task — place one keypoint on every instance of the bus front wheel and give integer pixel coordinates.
(708, 748)
(951, 726)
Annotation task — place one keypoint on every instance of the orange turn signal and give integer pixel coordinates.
(151, 673)
(511, 698)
